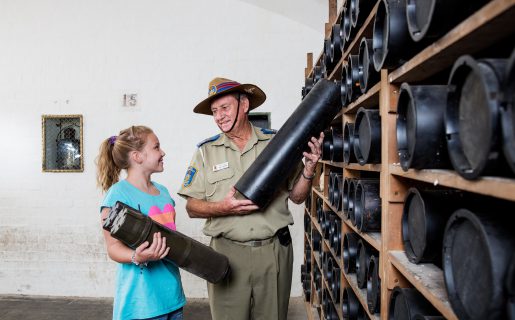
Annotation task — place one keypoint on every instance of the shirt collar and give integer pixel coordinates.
(255, 136)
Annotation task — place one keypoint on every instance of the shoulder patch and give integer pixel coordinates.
(190, 174)
(268, 131)
(213, 138)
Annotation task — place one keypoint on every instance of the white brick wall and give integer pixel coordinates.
(80, 57)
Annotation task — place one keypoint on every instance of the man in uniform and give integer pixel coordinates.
(257, 242)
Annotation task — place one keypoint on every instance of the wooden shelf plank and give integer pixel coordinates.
(369, 100)
(361, 294)
(373, 238)
(503, 188)
(334, 164)
(485, 27)
(366, 167)
(427, 279)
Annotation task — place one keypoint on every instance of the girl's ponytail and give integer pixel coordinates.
(107, 171)
(114, 154)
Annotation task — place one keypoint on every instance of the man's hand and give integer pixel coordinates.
(314, 156)
(232, 206)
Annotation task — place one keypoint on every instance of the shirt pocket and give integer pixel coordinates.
(217, 180)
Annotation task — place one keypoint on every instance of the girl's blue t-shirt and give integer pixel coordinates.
(144, 292)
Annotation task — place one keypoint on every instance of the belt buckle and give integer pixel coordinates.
(257, 243)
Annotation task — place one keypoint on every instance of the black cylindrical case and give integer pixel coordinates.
(133, 228)
(391, 40)
(360, 9)
(344, 84)
(336, 152)
(424, 216)
(508, 114)
(373, 285)
(367, 136)
(431, 19)
(282, 155)
(405, 303)
(363, 256)
(367, 206)
(353, 82)
(351, 307)
(420, 127)
(350, 251)
(348, 143)
(472, 117)
(477, 249)
(368, 76)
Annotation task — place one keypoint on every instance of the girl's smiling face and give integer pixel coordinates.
(153, 154)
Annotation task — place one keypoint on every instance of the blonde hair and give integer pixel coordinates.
(114, 154)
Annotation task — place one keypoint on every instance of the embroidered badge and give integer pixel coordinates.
(220, 166)
(190, 174)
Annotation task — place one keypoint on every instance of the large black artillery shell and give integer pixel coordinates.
(367, 136)
(420, 127)
(133, 228)
(477, 249)
(472, 121)
(405, 303)
(508, 114)
(281, 156)
(336, 51)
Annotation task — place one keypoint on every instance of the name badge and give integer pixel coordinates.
(220, 166)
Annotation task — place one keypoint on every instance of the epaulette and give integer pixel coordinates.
(213, 138)
(268, 131)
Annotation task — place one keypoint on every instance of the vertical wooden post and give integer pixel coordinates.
(309, 64)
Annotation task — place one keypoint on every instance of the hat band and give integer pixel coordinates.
(222, 87)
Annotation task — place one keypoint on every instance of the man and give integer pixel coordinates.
(257, 242)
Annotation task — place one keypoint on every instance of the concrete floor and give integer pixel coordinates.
(52, 308)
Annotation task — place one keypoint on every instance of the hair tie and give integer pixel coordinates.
(112, 140)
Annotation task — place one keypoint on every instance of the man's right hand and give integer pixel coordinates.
(232, 206)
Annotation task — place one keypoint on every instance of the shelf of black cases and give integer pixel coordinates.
(373, 238)
(361, 294)
(487, 26)
(427, 279)
(498, 187)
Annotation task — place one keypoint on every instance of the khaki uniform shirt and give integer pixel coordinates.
(216, 166)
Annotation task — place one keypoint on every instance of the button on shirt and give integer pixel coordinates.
(216, 166)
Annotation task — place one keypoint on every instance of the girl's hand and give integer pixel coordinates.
(157, 251)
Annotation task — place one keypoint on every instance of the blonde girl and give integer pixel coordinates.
(147, 287)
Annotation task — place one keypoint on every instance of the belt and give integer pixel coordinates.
(257, 243)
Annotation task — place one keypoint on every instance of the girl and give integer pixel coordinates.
(147, 287)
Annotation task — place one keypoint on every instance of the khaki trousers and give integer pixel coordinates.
(259, 285)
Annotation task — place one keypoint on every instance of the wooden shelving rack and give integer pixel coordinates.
(490, 24)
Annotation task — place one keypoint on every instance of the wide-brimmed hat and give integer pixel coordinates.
(221, 86)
